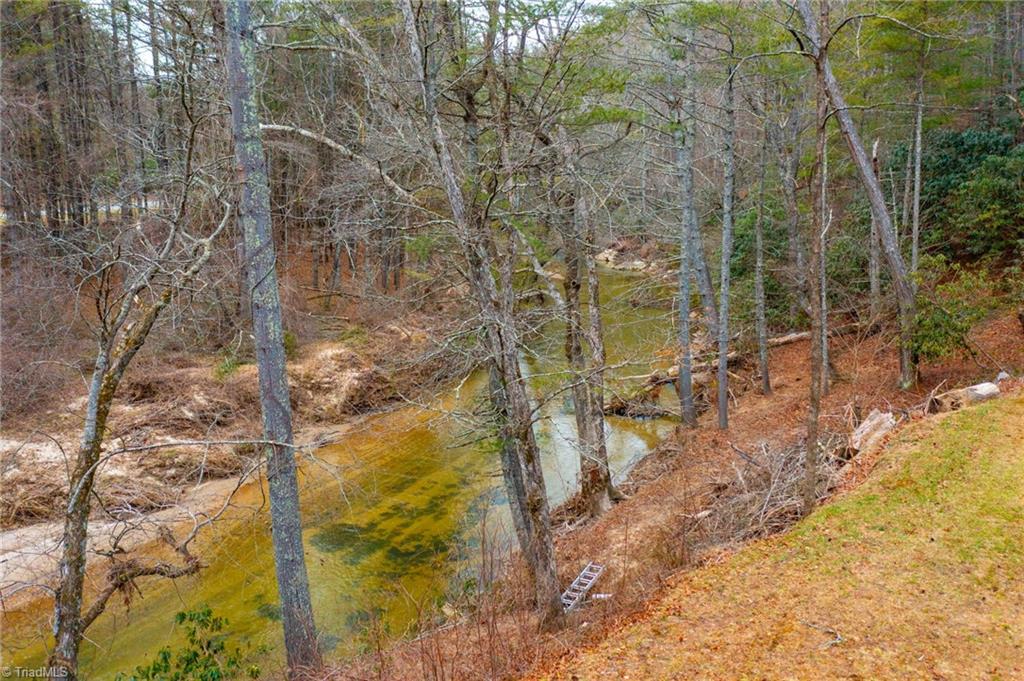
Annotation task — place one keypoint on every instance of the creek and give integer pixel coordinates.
(395, 515)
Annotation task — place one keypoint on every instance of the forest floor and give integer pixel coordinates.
(642, 541)
(916, 574)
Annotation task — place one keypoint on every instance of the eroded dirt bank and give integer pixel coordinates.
(179, 439)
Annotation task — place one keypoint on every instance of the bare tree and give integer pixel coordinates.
(587, 371)
(817, 50)
(682, 133)
(874, 256)
(810, 485)
(153, 275)
(254, 215)
(759, 304)
(728, 197)
(495, 308)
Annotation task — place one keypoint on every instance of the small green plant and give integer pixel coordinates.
(226, 366)
(205, 657)
(951, 300)
(354, 335)
(291, 345)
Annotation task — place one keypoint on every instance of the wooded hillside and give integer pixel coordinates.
(576, 233)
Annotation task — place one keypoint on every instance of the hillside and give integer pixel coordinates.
(915, 574)
(339, 339)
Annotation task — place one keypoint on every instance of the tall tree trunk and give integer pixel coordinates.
(289, 554)
(336, 247)
(822, 281)
(645, 170)
(684, 173)
(512, 472)
(827, 372)
(788, 149)
(45, 85)
(916, 212)
(897, 267)
(684, 160)
(158, 94)
(136, 112)
(68, 607)
(572, 287)
(603, 493)
(682, 133)
(908, 180)
(810, 482)
(874, 257)
(759, 303)
(115, 95)
(728, 196)
(588, 386)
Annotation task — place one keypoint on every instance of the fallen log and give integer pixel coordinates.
(869, 433)
(779, 341)
(643, 401)
(734, 358)
(962, 397)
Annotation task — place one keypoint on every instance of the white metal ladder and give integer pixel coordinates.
(577, 591)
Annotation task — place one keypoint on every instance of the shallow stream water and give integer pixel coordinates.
(393, 513)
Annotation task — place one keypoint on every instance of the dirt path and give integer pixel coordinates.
(916, 574)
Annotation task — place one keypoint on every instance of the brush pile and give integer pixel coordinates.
(762, 495)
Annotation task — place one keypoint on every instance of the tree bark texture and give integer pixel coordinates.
(254, 215)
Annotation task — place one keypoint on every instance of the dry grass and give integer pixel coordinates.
(139, 484)
(646, 539)
(914, 575)
(30, 496)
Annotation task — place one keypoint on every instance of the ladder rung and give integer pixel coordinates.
(577, 591)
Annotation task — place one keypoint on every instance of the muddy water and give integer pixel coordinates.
(394, 517)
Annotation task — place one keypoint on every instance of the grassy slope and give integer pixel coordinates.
(920, 571)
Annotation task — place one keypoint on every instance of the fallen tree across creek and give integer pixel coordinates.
(642, 402)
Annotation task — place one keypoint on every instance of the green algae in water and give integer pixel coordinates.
(400, 529)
